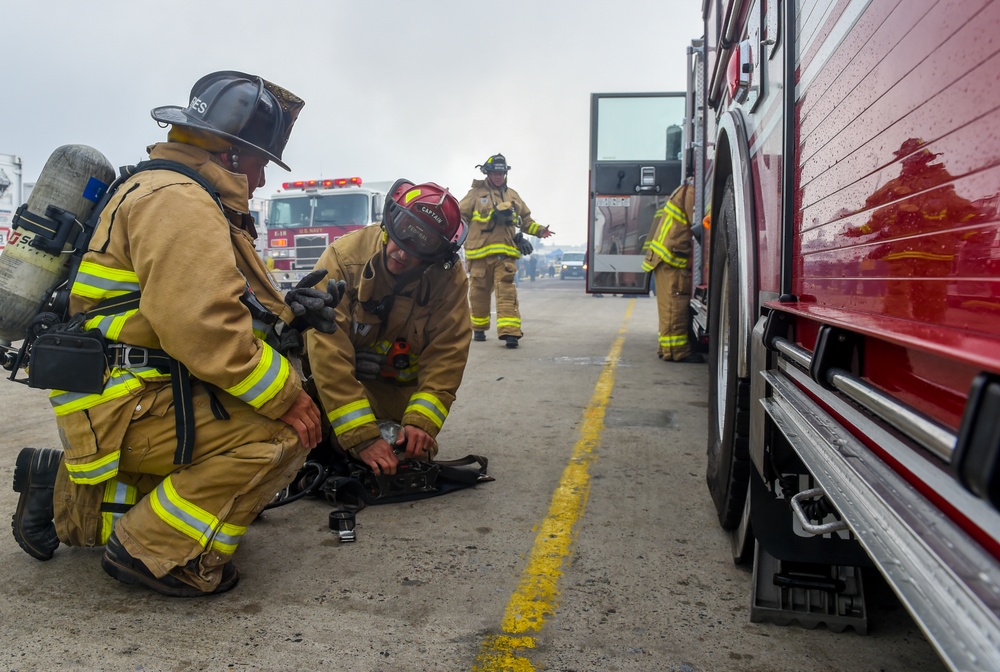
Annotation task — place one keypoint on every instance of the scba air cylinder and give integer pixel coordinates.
(44, 230)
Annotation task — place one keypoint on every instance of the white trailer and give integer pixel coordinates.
(11, 193)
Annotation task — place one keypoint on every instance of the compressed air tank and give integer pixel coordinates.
(34, 261)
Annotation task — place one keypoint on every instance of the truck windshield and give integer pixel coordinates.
(341, 209)
(329, 210)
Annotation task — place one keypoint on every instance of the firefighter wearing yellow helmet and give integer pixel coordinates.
(498, 219)
(202, 417)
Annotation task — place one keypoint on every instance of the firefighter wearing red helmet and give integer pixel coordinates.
(404, 335)
(202, 417)
(498, 219)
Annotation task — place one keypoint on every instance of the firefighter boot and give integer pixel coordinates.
(34, 479)
(121, 565)
(479, 335)
(510, 340)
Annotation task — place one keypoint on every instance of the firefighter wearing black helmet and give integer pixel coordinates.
(498, 220)
(203, 416)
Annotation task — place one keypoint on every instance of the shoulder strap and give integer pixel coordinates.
(124, 173)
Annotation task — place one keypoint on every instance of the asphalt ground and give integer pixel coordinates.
(596, 547)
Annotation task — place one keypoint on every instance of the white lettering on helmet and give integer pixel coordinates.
(198, 105)
(433, 215)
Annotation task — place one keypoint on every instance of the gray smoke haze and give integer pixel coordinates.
(392, 89)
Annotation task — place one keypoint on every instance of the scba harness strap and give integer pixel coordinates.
(62, 373)
(349, 485)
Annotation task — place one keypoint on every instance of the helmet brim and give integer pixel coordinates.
(178, 116)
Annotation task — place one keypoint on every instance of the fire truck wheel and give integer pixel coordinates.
(729, 466)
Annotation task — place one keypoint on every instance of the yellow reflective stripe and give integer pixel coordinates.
(428, 405)
(534, 228)
(96, 471)
(508, 322)
(95, 281)
(116, 492)
(496, 248)
(675, 341)
(481, 321)
(228, 537)
(482, 217)
(265, 381)
(382, 347)
(192, 520)
(667, 256)
(350, 416)
(646, 266)
(676, 212)
(110, 325)
(120, 383)
(261, 329)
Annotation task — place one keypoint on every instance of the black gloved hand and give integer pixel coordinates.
(523, 246)
(368, 364)
(312, 307)
(290, 342)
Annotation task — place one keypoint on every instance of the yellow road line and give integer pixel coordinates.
(537, 594)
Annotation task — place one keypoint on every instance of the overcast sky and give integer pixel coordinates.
(422, 90)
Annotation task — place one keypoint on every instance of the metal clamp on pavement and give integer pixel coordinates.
(343, 523)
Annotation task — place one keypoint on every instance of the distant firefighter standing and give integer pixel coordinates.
(498, 220)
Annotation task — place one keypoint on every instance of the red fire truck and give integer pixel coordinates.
(848, 154)
(849, 296)
(306, 216)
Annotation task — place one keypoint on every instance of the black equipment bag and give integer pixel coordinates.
(350, 484)
(69, 358)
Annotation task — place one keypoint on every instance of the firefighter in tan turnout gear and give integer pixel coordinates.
(668, 257)
(201, 420)
(498, 220)
(404, 335)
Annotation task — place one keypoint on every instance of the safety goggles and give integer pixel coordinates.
(415, 237)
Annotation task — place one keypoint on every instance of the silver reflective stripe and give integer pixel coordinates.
(172, 514)
(106, 284)
(430, 408)
(268, 378)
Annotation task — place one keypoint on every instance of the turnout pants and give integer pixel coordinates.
(673, 296)
(389, 402)
(495, 272)
(185, 520)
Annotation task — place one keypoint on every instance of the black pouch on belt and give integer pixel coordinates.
(70, 360)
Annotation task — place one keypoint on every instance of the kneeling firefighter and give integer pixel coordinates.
(404, 335)
(202, 416)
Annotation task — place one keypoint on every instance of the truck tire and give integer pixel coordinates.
(729, 466)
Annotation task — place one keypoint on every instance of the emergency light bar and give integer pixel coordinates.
(322, 184)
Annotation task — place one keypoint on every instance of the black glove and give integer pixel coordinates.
(523, 246)
(290, 342)
(313, 308)
(368, 364)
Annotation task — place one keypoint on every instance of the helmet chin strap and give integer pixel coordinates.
(230, 159)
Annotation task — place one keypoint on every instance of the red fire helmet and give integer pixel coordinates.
(424, 220)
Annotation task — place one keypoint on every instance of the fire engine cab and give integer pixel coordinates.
(307, 215)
